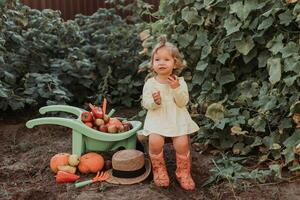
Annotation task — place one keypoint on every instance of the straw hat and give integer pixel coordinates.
(129, 167)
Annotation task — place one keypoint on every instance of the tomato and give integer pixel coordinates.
(89, 124)
(87, 117)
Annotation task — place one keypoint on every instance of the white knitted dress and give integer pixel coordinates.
(170, 118)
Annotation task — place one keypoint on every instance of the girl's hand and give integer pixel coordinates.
(173, 81)
(156, 97)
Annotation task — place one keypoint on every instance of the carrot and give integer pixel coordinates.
(65, 177)
(104, 105)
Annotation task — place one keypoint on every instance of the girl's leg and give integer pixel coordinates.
(156, 143)
(160, 174)
(183, 162)
(181, 144)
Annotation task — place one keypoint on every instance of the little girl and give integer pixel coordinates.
(165, 97)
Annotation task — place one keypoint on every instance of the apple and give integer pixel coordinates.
(89, 124)
(99, 122)
(112, 129)
(103, 128)
(121, 129)
(126, 127)
(173, 76)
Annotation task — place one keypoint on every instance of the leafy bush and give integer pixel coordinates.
(46, 60)
(243, 74)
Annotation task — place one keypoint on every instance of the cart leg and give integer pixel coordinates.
(77, 143)
(131, 142)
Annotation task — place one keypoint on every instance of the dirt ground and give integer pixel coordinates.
(25, 171)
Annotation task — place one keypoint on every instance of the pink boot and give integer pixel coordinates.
(160, 174)
(183, 171)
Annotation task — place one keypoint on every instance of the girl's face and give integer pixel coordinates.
(163, 62)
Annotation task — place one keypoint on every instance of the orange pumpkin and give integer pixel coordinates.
(90, 163)
(59, 159)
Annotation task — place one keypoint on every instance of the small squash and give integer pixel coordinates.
(59, 159)
(67, 168)
(74, 160)
(91, 163)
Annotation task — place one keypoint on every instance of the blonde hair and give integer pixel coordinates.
(177, 56)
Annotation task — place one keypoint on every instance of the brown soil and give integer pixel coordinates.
(25, 172)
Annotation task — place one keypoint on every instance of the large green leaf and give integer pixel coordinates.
(225, 76)
(248, 89)
(286, 18)
(202, 39)
(190, 15)
(292, 64)
(185, 39)
(206, 50)
(243, 8)
(275, 45)
(245, 45)
(215, 112)
(223, 57)
(16, 105)
(289, 81)
(293, 140)
(290, 49)
(257, 142)
(198, 78)
(265, 102)
(232, 25)
(289, 154)
(3, 93)
(274, 65)
(201, 65)
(263, 58)
(258, 123)
(266, 23)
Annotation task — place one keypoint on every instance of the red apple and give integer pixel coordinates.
(99, 122)
(173, 76)
(121, 129)
(103, 128)
(112, 129)
(126, 127)
(89, 124)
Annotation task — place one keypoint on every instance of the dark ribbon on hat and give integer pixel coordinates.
(128, 174)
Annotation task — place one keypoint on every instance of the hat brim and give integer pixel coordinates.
(130, 181)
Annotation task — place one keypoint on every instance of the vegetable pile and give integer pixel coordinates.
(65, 165)
(98, 120)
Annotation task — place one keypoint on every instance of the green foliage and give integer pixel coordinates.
(231, 169)
(138, 10)
(46, 60)
(243, 64)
